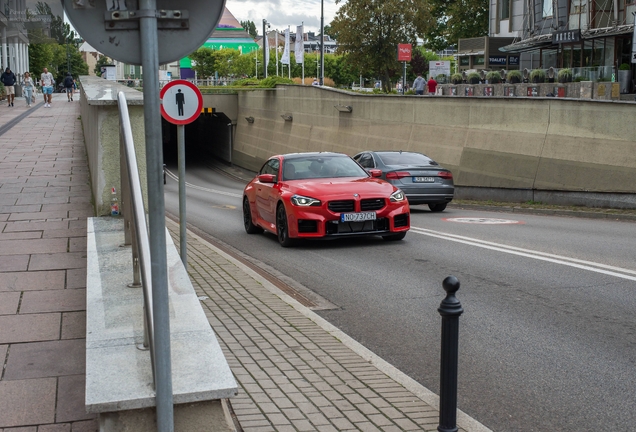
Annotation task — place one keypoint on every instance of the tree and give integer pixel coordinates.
(250, 27)
(40, 56)
(369, 31)
(203, 62)
(101, 61)
(449, 21)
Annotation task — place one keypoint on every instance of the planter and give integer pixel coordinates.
(624, 80)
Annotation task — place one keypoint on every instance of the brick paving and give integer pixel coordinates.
(44, 202)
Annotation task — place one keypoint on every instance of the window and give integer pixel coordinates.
(504, 9)
(547, 8)
(271, 167)
(366, 161)
(132, 70)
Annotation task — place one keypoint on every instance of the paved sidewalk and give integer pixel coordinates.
(44, 203)
(296, 372)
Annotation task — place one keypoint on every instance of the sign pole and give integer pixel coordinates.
(183, 248)
(404, 80)
(156, 217)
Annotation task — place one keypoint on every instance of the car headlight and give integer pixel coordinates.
(397, 196)
(304, 201)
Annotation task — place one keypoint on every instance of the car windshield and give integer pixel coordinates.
(405, 158)
(321, 166)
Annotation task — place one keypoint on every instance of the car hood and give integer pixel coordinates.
(341, 188)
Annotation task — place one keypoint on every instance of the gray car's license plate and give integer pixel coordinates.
(423, 179)
(357, 217)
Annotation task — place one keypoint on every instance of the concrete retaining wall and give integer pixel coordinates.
(100, 121)
(497, 144)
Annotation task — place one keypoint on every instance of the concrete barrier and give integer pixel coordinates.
(497, 147)
(118, 374)
(100, 121)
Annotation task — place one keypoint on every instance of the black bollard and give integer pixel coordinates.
(450, 309)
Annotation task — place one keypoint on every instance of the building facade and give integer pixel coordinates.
(591, 37)
(14, 40)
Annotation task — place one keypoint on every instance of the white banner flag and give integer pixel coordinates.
(299, 48)
(265, 50)
(285, 58)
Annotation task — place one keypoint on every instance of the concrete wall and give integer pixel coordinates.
(513, 146)
(100, 121)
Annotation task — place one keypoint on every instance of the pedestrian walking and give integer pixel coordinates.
(47, 81)
(418, 84)
(27, 88)
(432, 85)
(8, 79)
(68, 86)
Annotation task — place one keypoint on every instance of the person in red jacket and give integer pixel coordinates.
(432, 85)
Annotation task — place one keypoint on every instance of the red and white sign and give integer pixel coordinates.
(404, 52)
(181, 102)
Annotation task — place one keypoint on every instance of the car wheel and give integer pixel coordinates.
(437, 207)
(250, 228)
(394, 237)
(282, 230)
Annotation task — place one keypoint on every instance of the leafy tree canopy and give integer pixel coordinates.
(369, 31)
(250, 27)
(448, 21)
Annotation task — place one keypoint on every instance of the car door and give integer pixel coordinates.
(267, 193)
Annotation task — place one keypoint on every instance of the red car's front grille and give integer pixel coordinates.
(372, 204)
(342, 206)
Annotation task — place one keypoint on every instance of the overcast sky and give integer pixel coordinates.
(283, 13)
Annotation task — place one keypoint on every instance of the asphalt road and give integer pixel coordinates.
(548, 336)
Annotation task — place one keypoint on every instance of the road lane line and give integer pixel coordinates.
(192, 186)
(528, 253)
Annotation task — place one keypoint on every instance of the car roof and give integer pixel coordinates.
(304, 155)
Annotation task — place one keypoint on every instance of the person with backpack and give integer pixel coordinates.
(68, 86)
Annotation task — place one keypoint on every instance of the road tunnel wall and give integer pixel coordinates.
(562, 150)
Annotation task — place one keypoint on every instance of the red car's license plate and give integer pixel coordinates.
(357, 217)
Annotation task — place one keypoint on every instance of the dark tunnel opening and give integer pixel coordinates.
(207, 139)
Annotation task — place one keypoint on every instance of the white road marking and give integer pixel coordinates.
(190, 185)
(619, 272)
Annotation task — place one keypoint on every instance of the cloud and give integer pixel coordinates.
(283, 13)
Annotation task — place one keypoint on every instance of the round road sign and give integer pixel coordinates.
(181, 102)
(484, 221)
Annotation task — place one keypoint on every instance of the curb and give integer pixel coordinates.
(546, 212)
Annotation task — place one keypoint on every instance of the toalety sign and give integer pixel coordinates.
(404, 52)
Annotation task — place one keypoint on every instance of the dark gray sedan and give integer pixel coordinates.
(420, 177)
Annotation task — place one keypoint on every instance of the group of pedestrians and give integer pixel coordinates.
(47, 81)
(420, 83)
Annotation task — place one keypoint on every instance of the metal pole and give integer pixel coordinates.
(404, 80)
(276, 47)
(321, 80)
(156, 216)
(183, 248)
(265, 47)
(450, 309)
(302, 23)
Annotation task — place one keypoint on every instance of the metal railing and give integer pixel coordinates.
(136, 229)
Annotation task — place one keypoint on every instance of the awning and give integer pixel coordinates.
(469, 53)
(545, 40)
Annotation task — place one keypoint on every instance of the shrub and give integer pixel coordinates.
(514, 76)
(624, 66)
(565, 75)
(473, 78)
(537, 76)
(493, 77)
(270, 82)
(456, 78)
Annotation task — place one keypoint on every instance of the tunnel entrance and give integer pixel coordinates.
(208, 138)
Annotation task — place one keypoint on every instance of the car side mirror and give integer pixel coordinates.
(267, 178)
(375, 173)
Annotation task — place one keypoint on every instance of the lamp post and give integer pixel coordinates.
(265, 46)
(256, 62)
(322, 43)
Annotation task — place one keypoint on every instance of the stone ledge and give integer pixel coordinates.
(99, 91)
(118, 375)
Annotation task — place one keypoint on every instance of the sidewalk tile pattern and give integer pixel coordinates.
(293, 374)
(44, 202)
